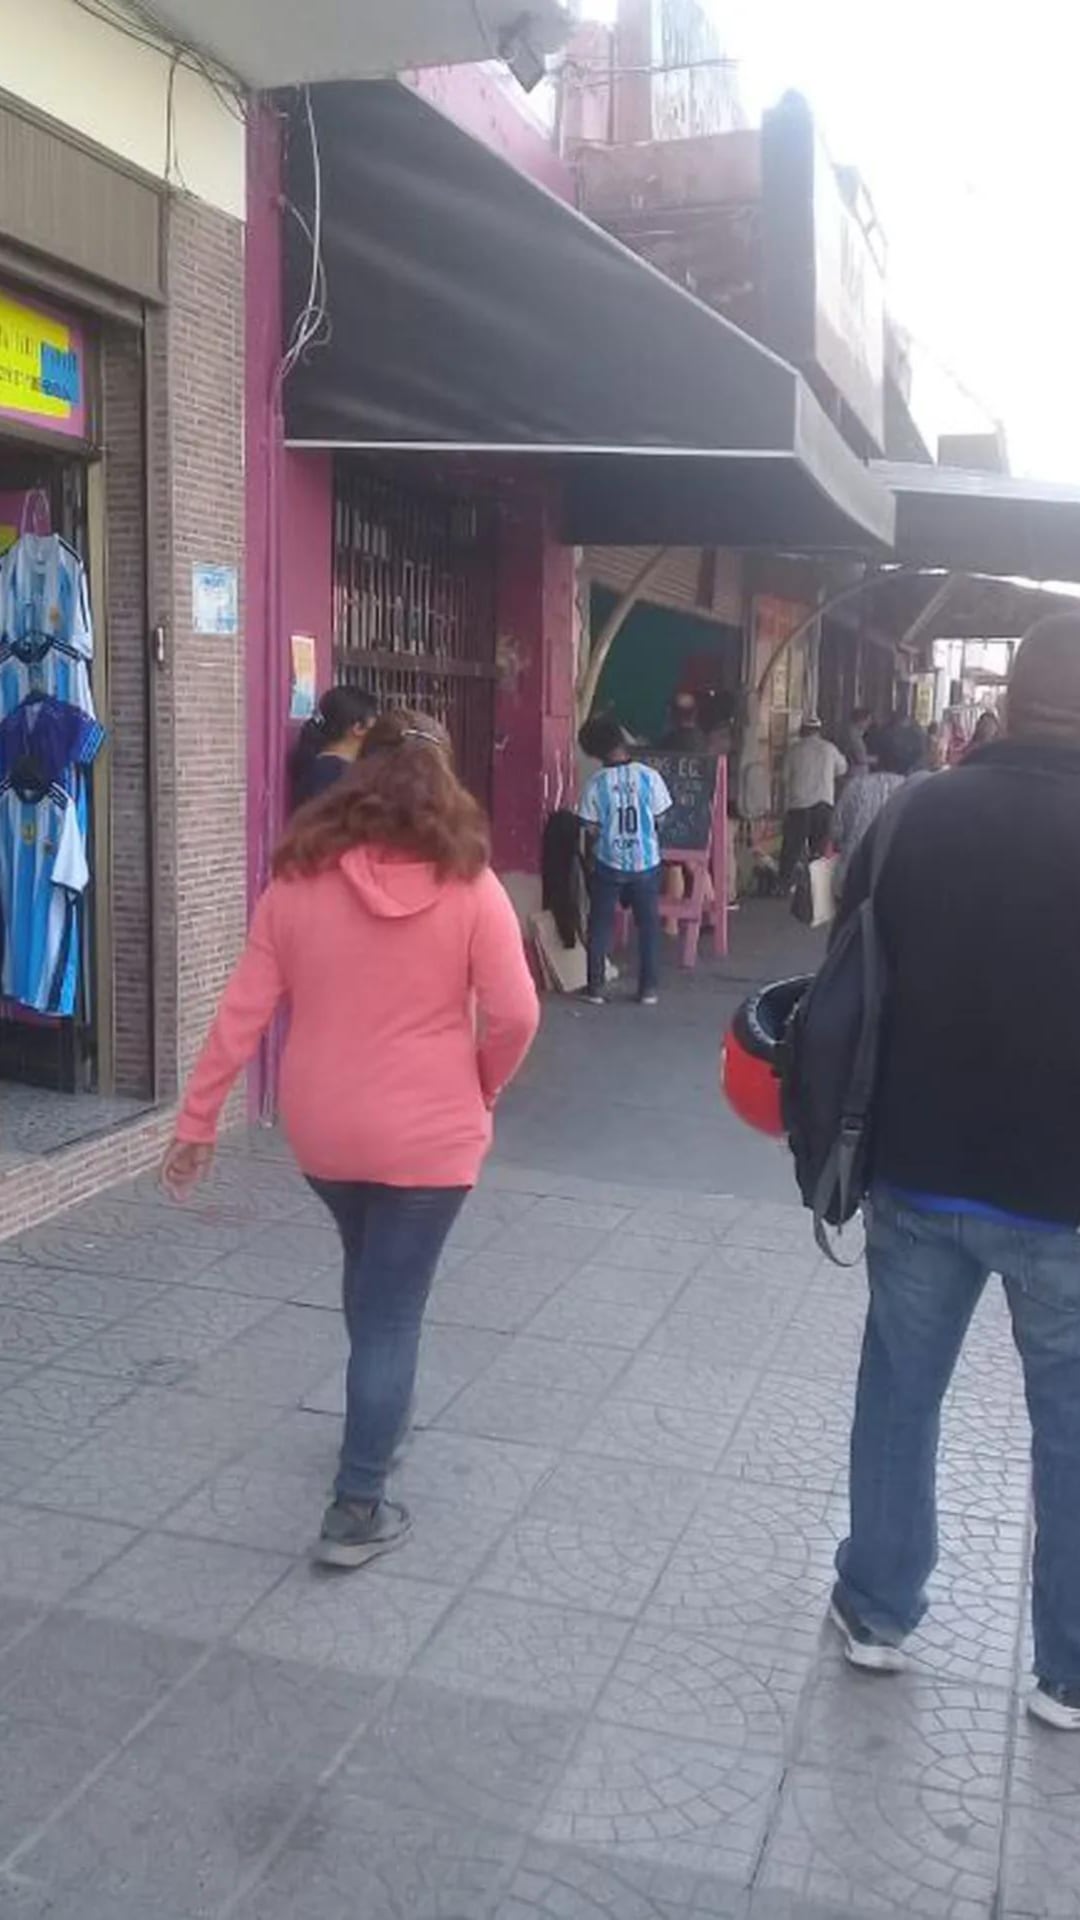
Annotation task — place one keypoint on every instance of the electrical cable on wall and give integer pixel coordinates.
(138, 24)
(312, 323)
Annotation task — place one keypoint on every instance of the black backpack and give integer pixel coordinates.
(829, 1058)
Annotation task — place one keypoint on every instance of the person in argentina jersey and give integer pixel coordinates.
(621, 806)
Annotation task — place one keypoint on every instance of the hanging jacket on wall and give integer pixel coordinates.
(563, 876)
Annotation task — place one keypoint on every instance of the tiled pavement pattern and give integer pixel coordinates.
(594, 1686)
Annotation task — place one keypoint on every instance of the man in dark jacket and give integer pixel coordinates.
(976, 1156)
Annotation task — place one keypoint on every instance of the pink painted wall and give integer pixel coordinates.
(262, 458)
(289, 532)
(534, 760)
(482, 102)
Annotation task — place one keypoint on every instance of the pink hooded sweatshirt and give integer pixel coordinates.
(410, 1008)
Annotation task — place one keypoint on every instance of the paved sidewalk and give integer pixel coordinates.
(595, 1685)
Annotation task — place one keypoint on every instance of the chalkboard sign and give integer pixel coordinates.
(690, 779)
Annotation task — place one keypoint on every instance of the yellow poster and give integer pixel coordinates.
(302, 694)
(41, 368)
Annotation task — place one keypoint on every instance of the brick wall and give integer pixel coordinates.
(123, 621)
(199, 712)
(195, 821)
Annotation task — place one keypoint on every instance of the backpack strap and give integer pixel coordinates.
(839, 1169)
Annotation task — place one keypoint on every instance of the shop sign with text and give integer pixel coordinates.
(42, 369)
(824, 286)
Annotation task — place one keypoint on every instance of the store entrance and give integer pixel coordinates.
(56, 1078)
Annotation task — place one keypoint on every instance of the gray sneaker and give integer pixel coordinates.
(356, 1531)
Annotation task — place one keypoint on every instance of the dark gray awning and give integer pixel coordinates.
(984, 522)
(472, 311)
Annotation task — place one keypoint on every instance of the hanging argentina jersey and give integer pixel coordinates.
(624, 804)
(43, 875)
(44, 741)
(46, 638)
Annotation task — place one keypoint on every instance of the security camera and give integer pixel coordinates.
(521, 53)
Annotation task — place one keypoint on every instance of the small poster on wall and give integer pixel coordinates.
(302, 694)
(215, 601)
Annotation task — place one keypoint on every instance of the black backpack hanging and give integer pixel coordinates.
(829, 1057)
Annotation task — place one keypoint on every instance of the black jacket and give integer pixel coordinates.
(979, 906)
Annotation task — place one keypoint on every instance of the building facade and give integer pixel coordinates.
(122, 213)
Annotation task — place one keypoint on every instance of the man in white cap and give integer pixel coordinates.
(813, 768)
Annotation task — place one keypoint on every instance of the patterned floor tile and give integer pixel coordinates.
(932, 1733)
(1042, 1862)
(28, 1338)
(46, 1556)
(603, 1565)
(557, 1883)
(788, 1273)
(499, 1409)
(656, 1797)
(375, 1625)
(465, 1471)
(573, 1316)
(685, 1380)
(688, 1439)
(554, 1367)
(248, 1505)
(197, 1588)
(458, 1757)
(117, 1479)
(349, 1859)
(507, 1649)
(972, 1629)
(90, 1676)
(59, 1401)
(869, 1845)
(750, 1554)
(792, 1433)
(683, 1684)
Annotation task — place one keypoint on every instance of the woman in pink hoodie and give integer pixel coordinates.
(398, 957)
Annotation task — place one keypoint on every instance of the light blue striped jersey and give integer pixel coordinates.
(43, 874)
(46, 636)
(624, 804)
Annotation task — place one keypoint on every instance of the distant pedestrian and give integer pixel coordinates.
(976, 1158)
(902, 752)
(987, 729)
(936, 747)
(814, 765)
(330, 741)
(398, 956)
(621, 807)
(854, 741)
(685, 733)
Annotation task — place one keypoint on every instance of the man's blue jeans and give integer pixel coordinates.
(392, 1238)
(927, 1271)
(641, 891)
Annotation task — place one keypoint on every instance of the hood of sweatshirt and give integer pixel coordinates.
(392, 888)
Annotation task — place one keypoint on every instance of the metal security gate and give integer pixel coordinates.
(414, 607)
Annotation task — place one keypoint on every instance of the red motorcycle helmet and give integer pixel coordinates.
(750, 1055)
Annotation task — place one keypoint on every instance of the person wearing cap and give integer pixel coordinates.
(814, 765)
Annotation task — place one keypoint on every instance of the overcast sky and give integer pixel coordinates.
(967, 132)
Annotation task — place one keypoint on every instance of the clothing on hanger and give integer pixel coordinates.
(44, 740)
(43, 875)
(46, 633)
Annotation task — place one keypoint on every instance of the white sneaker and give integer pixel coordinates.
(1057, 1707)
(862, 1648)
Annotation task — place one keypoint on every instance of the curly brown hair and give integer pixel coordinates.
(402, 793)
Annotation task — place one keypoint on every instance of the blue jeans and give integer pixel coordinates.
(927, 1271)
(607, 888)
(392, 1238)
